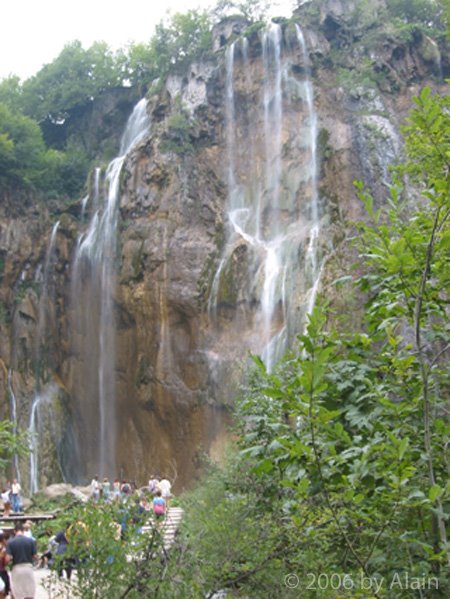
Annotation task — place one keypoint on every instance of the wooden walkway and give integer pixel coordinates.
(169, 526)
(7, 523)
(21, 517)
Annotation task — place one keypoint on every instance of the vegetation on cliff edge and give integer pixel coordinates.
(57, 165)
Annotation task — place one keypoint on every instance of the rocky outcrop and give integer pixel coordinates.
(95, 125)
(177, 366)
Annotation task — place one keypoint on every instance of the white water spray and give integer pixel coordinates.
(40, 400)
(264, 215)
(93, 286)
(41, 357)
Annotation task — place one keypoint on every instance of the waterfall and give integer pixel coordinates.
(44, 306)
(84, 202)
(41, 359)
(40, 399)
(274, 220)
(92, 290)
(13, 409)
(273, 118)
(313, 247)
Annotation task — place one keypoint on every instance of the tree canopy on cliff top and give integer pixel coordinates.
(77, 76)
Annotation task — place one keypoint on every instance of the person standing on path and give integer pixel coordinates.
(106, 490)
(64, 562)
(22, 551)
(95, 489)
(16, 490)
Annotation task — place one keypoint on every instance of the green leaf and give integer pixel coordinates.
(403, 447)
(434, 492)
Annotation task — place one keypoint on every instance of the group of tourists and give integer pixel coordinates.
(20, 551)
(12, 498)
(159, 488)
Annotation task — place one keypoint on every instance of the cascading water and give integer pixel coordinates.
(312, 252)
(43, 398)
(41, 359)
(273, 211)
(93, 285)
(44, 306)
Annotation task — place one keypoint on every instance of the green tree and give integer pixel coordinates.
(141, 64)
(74, 78)
(65, 171)
(12, 442)
(26, 161)
(22, 150)
(184, 38)
(253, 11)
(431, 13)
(11, 92)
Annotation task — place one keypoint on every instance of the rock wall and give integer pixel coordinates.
(174, 380)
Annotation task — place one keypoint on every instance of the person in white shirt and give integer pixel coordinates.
(165, 488)
(27, 532)
(6, 498)
(16, 490)
(95, 489)
(153, 484)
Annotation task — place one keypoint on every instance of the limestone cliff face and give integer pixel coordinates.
(177, 361)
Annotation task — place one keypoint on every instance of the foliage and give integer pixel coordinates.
(432, 13)
(66, 171)
(178, 40)
(251, 10)
(140, 64)
(43, 503)
(177, 139)
(184, 38)
(361, 79)
(12, 442)
(75, 77)
(22, 148)
(112, 557)
(232, 537)
(64, 87)
(26, 161)
(11, 92)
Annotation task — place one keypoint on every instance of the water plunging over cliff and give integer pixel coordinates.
(45, 301)
(41, 359)
(270, 265)
(93, 323)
